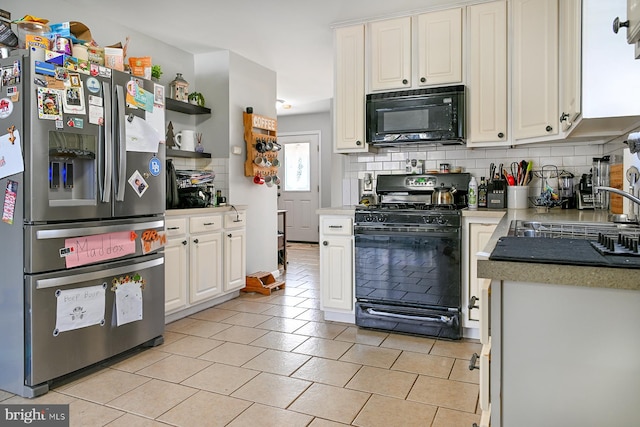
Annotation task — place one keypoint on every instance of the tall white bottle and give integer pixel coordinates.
(473, 193)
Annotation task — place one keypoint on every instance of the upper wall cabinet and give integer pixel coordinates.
(436, 59)
(390, 50)
(570, 61)
(487, 73)
(610, 85)
(349, 96)
(440, 47)
(535, 68)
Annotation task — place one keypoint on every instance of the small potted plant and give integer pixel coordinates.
(196, 98)
(156, 72)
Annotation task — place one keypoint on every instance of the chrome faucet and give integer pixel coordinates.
(631, 197)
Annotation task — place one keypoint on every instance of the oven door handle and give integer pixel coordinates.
(448, 320)
(408, 232)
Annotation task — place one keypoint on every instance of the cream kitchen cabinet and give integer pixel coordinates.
(440, 47)
(437, 59)
(390, 50)
(476, 231)
(487, 73)
(175, 258)
(336, 267)
(205, 257)
(570, 62)
(205, 260)
(535, 68)
(349, 90)
(235, 250)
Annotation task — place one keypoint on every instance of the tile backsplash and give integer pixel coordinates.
(574, 158)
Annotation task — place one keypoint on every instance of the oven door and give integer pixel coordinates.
(408, 279)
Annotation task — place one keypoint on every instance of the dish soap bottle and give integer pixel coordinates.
(473, 193)
(482, 193)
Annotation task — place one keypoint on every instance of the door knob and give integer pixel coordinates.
(405, 81)
(617, 24)
(229, 235)
(548, 128)
(358, 142)
(325, 243)
(500, 135)
(184, 242)
(195, 240)
(422, 80)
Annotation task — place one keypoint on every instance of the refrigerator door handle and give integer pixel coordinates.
(108, 144)
(96, 275)
(92, 231)
(121, 143)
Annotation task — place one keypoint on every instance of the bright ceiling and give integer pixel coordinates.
(292, 37)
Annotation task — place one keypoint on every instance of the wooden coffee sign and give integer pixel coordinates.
(262, 122)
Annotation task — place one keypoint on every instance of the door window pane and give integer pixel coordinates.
(297, 173)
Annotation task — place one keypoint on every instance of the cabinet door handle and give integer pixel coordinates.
(173, 228)
(422, 80)
(184, 242)
(548, 128)
(325, 243)
(472, 362)
(209, 223)
(617, 24)
(472, 303)
(358, 142)
(229, 235)
(335, 226)
(195, 240)
(500, 135)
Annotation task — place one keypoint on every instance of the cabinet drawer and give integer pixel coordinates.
(337, 226)
(175, 226)
(199, 224)
(235, 220)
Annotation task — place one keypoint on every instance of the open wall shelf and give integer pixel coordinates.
(185, 107)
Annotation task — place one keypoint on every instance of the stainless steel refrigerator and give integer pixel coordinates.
(81, 270)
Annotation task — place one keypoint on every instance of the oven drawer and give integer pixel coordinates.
(337, 226)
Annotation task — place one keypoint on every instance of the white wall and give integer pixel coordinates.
(233, 83)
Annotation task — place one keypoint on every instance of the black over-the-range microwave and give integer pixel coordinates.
(429, 115)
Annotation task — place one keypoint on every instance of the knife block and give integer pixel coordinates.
(497, 194)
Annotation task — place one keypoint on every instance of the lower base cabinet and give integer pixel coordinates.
(336, 268)
(205, 258)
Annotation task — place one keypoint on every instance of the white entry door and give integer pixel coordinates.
(299, 192)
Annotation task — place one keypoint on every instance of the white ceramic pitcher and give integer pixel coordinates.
(186, 140)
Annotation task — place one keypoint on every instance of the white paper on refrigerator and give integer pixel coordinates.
(10, 154)
(79, 308)
(141, 136)
(128, 302)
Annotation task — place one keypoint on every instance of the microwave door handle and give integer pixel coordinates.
(108, 143)
(121, 143)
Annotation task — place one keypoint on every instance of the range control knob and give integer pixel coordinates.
(426, 220)
(441, 220)
(368, 218)
(382, 218)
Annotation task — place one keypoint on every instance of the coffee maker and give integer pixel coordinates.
(585, 192)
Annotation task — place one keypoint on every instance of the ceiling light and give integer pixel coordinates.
(281, 103)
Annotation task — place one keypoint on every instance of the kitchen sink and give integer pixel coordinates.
(571, 230)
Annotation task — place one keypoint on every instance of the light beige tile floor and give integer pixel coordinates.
(273, 361)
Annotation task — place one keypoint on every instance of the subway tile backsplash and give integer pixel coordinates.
(574, 158)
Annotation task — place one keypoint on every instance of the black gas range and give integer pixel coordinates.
(408, 256)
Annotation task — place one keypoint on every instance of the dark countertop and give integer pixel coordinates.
(553, 273)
